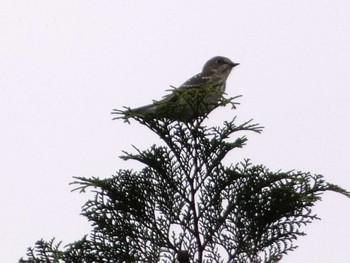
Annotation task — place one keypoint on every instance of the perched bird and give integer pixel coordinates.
(196, 97)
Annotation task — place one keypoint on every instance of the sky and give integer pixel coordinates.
(64, 65)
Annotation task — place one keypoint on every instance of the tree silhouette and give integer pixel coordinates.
(185, 205)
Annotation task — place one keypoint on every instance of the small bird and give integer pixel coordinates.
(196, 97)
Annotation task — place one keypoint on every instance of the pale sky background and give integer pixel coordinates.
(64, 65)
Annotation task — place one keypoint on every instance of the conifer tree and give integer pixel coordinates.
(185, 205)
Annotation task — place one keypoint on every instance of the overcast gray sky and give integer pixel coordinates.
(65, 64)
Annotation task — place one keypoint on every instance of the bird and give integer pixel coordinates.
(196, 97)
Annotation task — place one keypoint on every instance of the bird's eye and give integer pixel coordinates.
(220, 61)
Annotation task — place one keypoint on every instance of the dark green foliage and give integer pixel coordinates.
(185, 199)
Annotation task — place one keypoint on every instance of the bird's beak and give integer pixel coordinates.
(234, 64)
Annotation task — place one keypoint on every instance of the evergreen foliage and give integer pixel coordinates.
(186, 203)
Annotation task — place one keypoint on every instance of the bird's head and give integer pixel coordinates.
(219, 65)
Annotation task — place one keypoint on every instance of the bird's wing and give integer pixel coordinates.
(196, 81)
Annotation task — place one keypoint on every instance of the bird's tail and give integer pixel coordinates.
(150, 108)
(140, 111)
